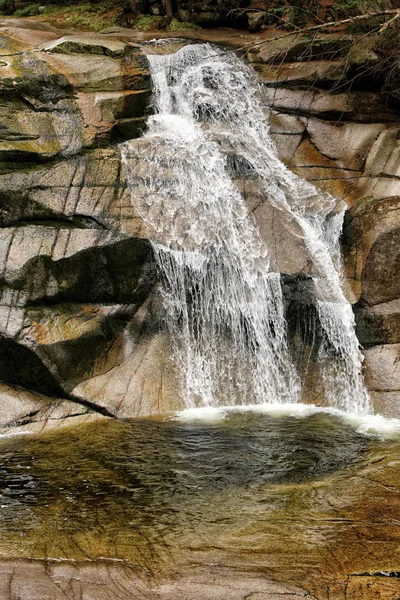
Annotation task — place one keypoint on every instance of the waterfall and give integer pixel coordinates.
(222, 299)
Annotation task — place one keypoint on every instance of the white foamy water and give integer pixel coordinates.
(223, 303)
(370, 425)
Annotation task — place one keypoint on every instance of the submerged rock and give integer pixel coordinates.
(169, 510)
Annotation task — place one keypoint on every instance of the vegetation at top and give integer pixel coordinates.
(287, 14)
(375, 21)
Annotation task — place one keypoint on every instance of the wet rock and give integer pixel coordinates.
(72, 241)
(379, 324)
(371, 249)
(103, 579)
(22, 410)
(141, 382)
(287, 131)
(383, 368)
(386, 404)
(284, 240)
(76, 44)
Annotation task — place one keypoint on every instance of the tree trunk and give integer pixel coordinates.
(168, 9)
(139, 7)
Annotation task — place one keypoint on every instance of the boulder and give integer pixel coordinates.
(39, 118)
(348, 144)
(74, 93)
(287, 131)
(381, 278)
(89, 73)
(379, 324)
(50, 349)
(386, 404)
(283, 47)
(384, 157)
(256, 20)
(371, 249)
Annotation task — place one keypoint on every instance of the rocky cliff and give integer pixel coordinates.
(78, 332)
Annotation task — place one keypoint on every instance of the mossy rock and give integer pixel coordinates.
(82, 45)
(176, 25)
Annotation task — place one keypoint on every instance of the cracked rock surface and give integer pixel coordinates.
(77, 276)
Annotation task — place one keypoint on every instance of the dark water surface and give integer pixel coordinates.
(137, 466)
(248, 491)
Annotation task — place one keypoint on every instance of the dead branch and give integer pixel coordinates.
(389, 23)
(333, 24)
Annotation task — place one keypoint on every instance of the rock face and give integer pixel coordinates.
(347, 143)
(77, 317)
(29, 578)
(75, 269)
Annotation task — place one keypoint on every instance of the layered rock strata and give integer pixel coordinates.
(77, 314)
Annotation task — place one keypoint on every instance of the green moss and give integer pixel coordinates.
(349, 8)
(176, 25)
(96, 17)
(31, 10)
(88, 16)
(146, 22)
(150, 22)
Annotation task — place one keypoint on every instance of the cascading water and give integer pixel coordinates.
(222, 301)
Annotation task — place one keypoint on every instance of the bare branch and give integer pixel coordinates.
(389, 23)
(333, 24)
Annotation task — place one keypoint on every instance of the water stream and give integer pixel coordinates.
(222, 296)
(303, 499)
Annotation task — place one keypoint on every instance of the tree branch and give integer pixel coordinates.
(356, 19)
(389, 23)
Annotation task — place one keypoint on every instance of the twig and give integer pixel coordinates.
(388, 23)
(381, 13)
